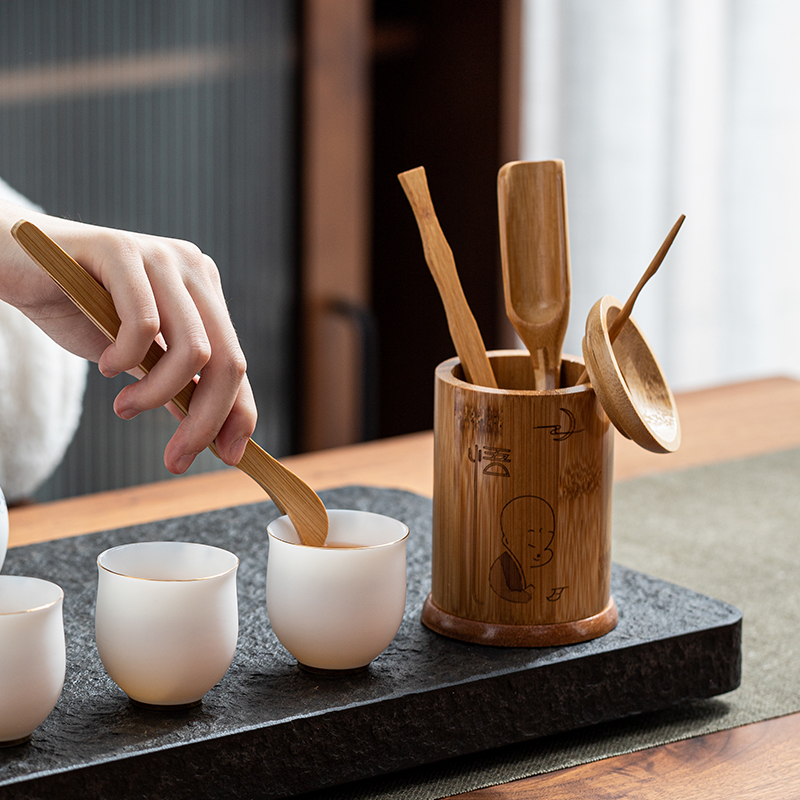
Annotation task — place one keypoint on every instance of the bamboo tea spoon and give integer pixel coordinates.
(625, 312)
(290, 494)
(534, 249)
(463, 328)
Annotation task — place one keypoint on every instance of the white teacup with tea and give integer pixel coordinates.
(336, 608)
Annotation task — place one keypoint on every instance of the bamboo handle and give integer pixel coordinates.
(464, 329)
(289, 493)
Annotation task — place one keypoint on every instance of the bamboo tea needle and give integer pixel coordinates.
(625, 312)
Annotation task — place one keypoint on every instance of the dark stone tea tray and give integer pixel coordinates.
(269, 730)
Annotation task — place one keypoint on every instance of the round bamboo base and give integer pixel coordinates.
(500, 635)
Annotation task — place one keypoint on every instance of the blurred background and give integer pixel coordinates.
(271, 133)
(173, 118)
(666, 107)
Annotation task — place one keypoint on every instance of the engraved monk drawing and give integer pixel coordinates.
(528, 525)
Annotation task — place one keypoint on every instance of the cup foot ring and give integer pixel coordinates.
(159, 707)
(15, 742)
(502, 635)
(332, 672)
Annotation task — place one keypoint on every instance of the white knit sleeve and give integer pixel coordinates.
(41, 397)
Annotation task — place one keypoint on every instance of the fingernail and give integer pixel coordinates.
(184, 462)
(127, 413)
(237, 450)
(108, 373)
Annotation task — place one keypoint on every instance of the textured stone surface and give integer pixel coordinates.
(270, 730)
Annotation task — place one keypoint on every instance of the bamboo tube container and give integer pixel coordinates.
(522, 508)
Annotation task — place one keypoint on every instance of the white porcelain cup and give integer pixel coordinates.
(166, 620)
(3, 528)
(32, 654)
(337, 607)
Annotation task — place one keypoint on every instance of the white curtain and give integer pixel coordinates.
(663, 107)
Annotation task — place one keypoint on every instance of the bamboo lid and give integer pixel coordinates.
(628, 380)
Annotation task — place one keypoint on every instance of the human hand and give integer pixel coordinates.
(163, 289)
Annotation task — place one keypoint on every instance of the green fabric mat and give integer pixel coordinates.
(730, 531)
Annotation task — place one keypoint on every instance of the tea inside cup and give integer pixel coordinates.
(32, 654)
(166, 622)
(336, 608)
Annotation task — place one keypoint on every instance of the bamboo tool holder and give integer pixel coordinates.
(522, 508)
(463, 328)
(292, 496)
(523, 472)
(534, 249)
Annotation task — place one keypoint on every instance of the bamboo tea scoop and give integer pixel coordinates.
(625, 312)
(534, 248)
(290, 494)
(463, 328)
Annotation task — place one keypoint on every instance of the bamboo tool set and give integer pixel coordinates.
(292, 496)
(523, 459)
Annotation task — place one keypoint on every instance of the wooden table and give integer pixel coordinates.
(755, 761)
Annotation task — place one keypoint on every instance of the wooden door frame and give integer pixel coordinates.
(335, 201)
(337, 40)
